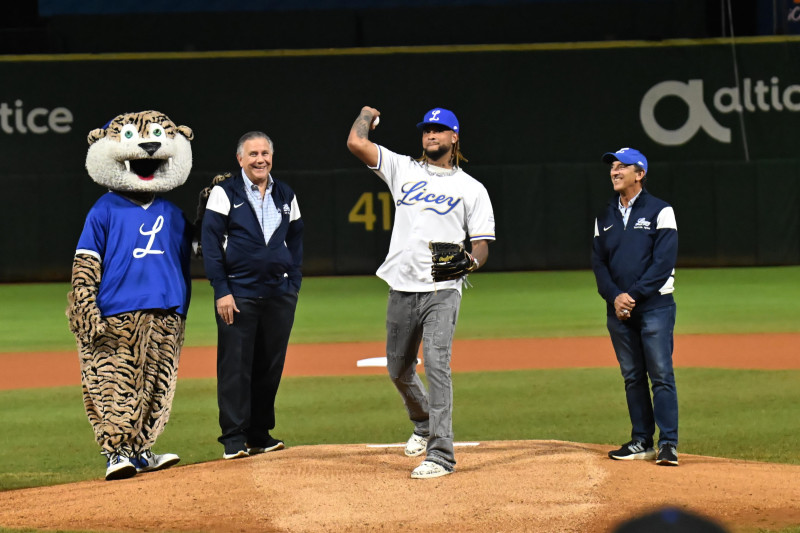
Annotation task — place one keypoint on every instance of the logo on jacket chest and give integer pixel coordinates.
(642, 223)
(414, 193)
(138, 253)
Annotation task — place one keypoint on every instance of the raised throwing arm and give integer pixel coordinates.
(358, 141)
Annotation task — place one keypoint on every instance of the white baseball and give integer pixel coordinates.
(376, 121)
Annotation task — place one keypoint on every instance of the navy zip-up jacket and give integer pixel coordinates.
(236, 258)
(638, 259)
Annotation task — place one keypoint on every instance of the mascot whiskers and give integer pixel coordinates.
(131, 286)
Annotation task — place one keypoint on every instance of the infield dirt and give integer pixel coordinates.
(499, 486)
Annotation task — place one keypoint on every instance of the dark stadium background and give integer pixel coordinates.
(542, 89)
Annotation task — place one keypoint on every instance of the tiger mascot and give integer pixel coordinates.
(131, 286)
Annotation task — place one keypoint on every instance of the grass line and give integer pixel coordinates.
(499, 305)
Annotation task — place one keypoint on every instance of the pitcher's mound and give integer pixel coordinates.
(498, 486)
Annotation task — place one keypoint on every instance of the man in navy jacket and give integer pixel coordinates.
(633, 257)
(252, 239)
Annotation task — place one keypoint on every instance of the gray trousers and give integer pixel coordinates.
(430, 318)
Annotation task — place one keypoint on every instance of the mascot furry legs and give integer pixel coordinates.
(131, 287)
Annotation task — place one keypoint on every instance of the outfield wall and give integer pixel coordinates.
(535, 120)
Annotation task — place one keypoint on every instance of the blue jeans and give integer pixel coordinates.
(643, 345)
(428, 318)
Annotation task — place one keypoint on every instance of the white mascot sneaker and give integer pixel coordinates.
(119, 467)
(150, 462)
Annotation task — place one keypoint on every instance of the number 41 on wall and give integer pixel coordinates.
(363, 212)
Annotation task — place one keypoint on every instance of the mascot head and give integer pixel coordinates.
(140, 152)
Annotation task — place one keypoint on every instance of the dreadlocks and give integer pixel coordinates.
(455, 158)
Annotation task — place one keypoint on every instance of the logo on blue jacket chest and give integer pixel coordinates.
(414, 193)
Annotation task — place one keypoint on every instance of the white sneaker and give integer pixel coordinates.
(429, 469)
(119, 467)
(416, 445)
(149, 461)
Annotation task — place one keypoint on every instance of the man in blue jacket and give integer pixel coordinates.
(252, 241)
(633, 257)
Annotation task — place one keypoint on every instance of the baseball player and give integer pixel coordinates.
(435, 201)
(633, 257)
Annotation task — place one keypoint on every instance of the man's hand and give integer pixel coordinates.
(623, 306)
(375, 114)
(226, 307)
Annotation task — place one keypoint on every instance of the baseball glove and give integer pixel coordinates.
(450, 261)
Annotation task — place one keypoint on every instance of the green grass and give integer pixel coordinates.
(500, 305)
(741, 414)
(725, 413)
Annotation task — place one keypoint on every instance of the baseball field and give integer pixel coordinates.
(538, 403)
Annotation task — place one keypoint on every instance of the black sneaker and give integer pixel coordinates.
(633, 451)
(270, 445)
(667, 456)
(235, 451)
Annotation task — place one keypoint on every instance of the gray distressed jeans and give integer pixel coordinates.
(430, 318)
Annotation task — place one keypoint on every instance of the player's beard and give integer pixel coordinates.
(435, 155)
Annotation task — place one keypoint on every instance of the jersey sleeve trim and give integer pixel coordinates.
(88, 252)
(380, 158)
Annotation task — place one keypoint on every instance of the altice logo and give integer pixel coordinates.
(751, 98)
(38, 120)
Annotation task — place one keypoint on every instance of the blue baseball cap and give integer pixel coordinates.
(629, 156)
(440, 116)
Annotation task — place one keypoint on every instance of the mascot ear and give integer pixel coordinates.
(186, 131)
(96, 135)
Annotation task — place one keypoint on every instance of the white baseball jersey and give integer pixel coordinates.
(431, 204)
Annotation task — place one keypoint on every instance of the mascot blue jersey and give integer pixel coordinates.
(141, 249)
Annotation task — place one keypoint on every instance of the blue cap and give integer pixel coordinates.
(441, 116)
(629, 156)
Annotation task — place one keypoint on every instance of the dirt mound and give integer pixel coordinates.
(499, 486)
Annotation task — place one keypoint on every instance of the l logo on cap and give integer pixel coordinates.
(435, 115)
